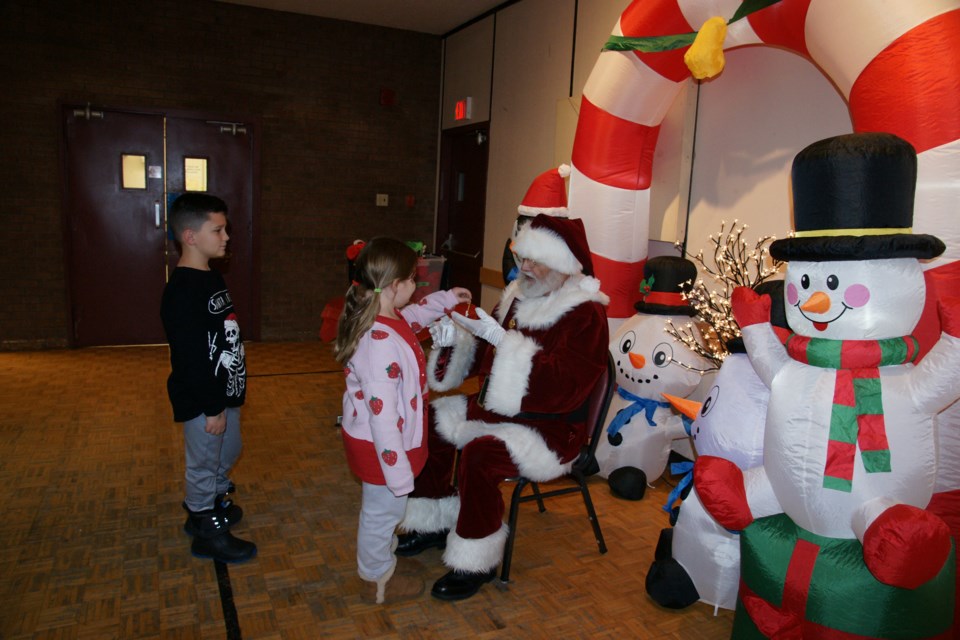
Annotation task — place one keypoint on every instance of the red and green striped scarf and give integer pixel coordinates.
(857, 416)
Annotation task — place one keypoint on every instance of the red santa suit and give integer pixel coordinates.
(528, 417)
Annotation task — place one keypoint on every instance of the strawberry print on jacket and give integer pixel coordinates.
(384, 425)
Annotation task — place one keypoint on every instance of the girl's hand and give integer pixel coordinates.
(463, 295)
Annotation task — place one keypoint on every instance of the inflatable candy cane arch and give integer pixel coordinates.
(896, 63)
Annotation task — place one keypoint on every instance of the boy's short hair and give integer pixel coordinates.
(191, 210)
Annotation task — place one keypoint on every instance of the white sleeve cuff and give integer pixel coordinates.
(510, 374)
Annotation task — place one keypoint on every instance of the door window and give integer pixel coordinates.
(134, 171)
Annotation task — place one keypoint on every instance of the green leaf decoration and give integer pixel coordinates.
(750, 6)
(647, 284)
(649, 44)
(655, 44)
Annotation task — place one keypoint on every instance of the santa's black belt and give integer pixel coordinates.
(574, 416)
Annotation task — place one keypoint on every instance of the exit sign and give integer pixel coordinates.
(463, 110)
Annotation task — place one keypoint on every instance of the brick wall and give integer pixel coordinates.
(327, 144)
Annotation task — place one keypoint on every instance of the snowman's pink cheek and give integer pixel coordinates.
(856, 295)
(792, 296)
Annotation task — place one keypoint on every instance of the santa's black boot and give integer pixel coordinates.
(214, 540)
(231, 513)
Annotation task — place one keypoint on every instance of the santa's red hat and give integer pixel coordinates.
(547, 194)
(558, 243)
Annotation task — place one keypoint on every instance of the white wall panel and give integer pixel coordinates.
(531, 72)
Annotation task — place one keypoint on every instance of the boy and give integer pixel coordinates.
(207, 384)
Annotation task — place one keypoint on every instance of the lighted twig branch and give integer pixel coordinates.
(735, 263)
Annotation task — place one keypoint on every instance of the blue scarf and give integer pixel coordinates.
(647, 405)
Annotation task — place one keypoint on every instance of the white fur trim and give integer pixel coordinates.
(461, 362)
(510, 374)
(475, 554)
(506, 299)
(547, 248)
(529, 451)
(589, 284)
(449, 413)
(545, 311)
(527, 448)
(557, 212)
(427, 515)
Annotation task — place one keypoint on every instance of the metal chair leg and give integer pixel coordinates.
(592, 514)
(511, 534)
(536, 493)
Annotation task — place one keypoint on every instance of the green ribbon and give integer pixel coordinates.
(656, 44)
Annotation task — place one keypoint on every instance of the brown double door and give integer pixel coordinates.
(122, 170)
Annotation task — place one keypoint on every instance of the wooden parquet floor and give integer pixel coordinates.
(91, 546)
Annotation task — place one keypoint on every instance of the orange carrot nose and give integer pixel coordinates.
(819, 302)
(689, 408)
(637, 360)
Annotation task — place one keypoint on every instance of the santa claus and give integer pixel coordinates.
(537, 360)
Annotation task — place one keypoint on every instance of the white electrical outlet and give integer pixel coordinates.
(383, 200)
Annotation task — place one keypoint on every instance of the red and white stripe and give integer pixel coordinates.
(896, 63)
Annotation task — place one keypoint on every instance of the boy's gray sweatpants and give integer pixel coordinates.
(209, 459)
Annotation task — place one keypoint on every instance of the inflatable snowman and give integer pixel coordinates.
(836, 539)
(641, 425)
(697, 559)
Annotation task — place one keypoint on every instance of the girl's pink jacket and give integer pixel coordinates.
(384, 412)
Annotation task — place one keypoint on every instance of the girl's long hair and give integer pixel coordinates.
(381, 261)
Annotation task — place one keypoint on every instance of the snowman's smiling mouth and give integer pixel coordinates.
(625, 372)
(821, 325)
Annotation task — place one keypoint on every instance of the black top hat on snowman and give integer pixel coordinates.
(853, 200)
(666, 279)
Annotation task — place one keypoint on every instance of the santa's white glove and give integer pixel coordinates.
(484, 327)
(443, 332)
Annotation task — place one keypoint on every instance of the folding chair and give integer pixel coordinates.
(584, 466)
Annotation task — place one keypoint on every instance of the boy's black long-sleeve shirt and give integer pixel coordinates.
(208, 368)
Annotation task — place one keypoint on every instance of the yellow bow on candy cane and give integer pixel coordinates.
(704, 58)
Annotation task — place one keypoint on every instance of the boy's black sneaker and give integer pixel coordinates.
(212, 539)
(231, 513)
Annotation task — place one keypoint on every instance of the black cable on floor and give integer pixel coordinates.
(230, 620)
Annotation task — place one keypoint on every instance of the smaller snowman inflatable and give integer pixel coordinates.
(642, 427)
(697, 559)
(836, 538)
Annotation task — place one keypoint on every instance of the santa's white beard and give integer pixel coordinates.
(533, 287)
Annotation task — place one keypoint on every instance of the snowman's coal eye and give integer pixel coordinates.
(833, 282)
(805, 281)
(662, 354)
(626, 341)
(710, 402)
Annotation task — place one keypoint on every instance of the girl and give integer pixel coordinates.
(384, 407)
